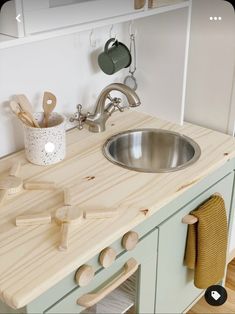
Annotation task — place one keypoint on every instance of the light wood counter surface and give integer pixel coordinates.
(30, 262)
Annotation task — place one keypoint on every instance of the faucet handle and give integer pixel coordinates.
(78, 116)
(116, 103)
(110, 98)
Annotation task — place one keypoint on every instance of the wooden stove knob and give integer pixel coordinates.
(107, 257)
(130, 240)
(84, 275)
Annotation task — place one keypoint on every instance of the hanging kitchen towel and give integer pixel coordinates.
(207, 243)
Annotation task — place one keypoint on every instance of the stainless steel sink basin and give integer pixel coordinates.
(151, 150)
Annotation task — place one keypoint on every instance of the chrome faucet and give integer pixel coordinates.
(97, 120)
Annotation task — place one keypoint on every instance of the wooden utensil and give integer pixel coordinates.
(15, 107)
(25, 119)
(11, 184)
(17, 110)
(27, 108)
(24, 102)
(67, 216)
(49, 103)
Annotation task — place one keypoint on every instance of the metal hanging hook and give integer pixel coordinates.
(92, 40)
(131, 32)
(111, 32)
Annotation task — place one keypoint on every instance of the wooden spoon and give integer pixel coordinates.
(49, 103)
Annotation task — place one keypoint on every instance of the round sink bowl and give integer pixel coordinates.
(151, 150)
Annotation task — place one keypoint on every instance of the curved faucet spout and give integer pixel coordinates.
(132, 97)
(97, 120)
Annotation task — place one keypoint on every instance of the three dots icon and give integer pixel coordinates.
(215, 18)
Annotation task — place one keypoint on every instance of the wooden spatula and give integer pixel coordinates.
(22, 116)
(15, 107)
(49, 103)
(26, 119)
(27, 108)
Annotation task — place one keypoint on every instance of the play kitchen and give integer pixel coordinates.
(109, 210)
(86, 252)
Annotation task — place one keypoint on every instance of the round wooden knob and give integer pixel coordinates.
(130, 240)
(107, 257)
(84, 275)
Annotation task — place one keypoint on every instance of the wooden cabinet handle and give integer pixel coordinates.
(189, 220)
(130, 240)
(90, 299)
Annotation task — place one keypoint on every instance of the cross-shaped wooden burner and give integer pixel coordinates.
(67, 216)
(13, 184)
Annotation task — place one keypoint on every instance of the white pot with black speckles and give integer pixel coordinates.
(46, 146)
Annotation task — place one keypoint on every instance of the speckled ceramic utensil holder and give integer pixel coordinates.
(46, 146)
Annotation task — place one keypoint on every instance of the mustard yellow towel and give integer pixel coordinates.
(207, 243)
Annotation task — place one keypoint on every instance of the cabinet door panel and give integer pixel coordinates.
(175, 287)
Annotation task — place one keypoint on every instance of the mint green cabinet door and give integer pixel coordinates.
(175, 288)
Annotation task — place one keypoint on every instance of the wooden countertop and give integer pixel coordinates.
(29, 260)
